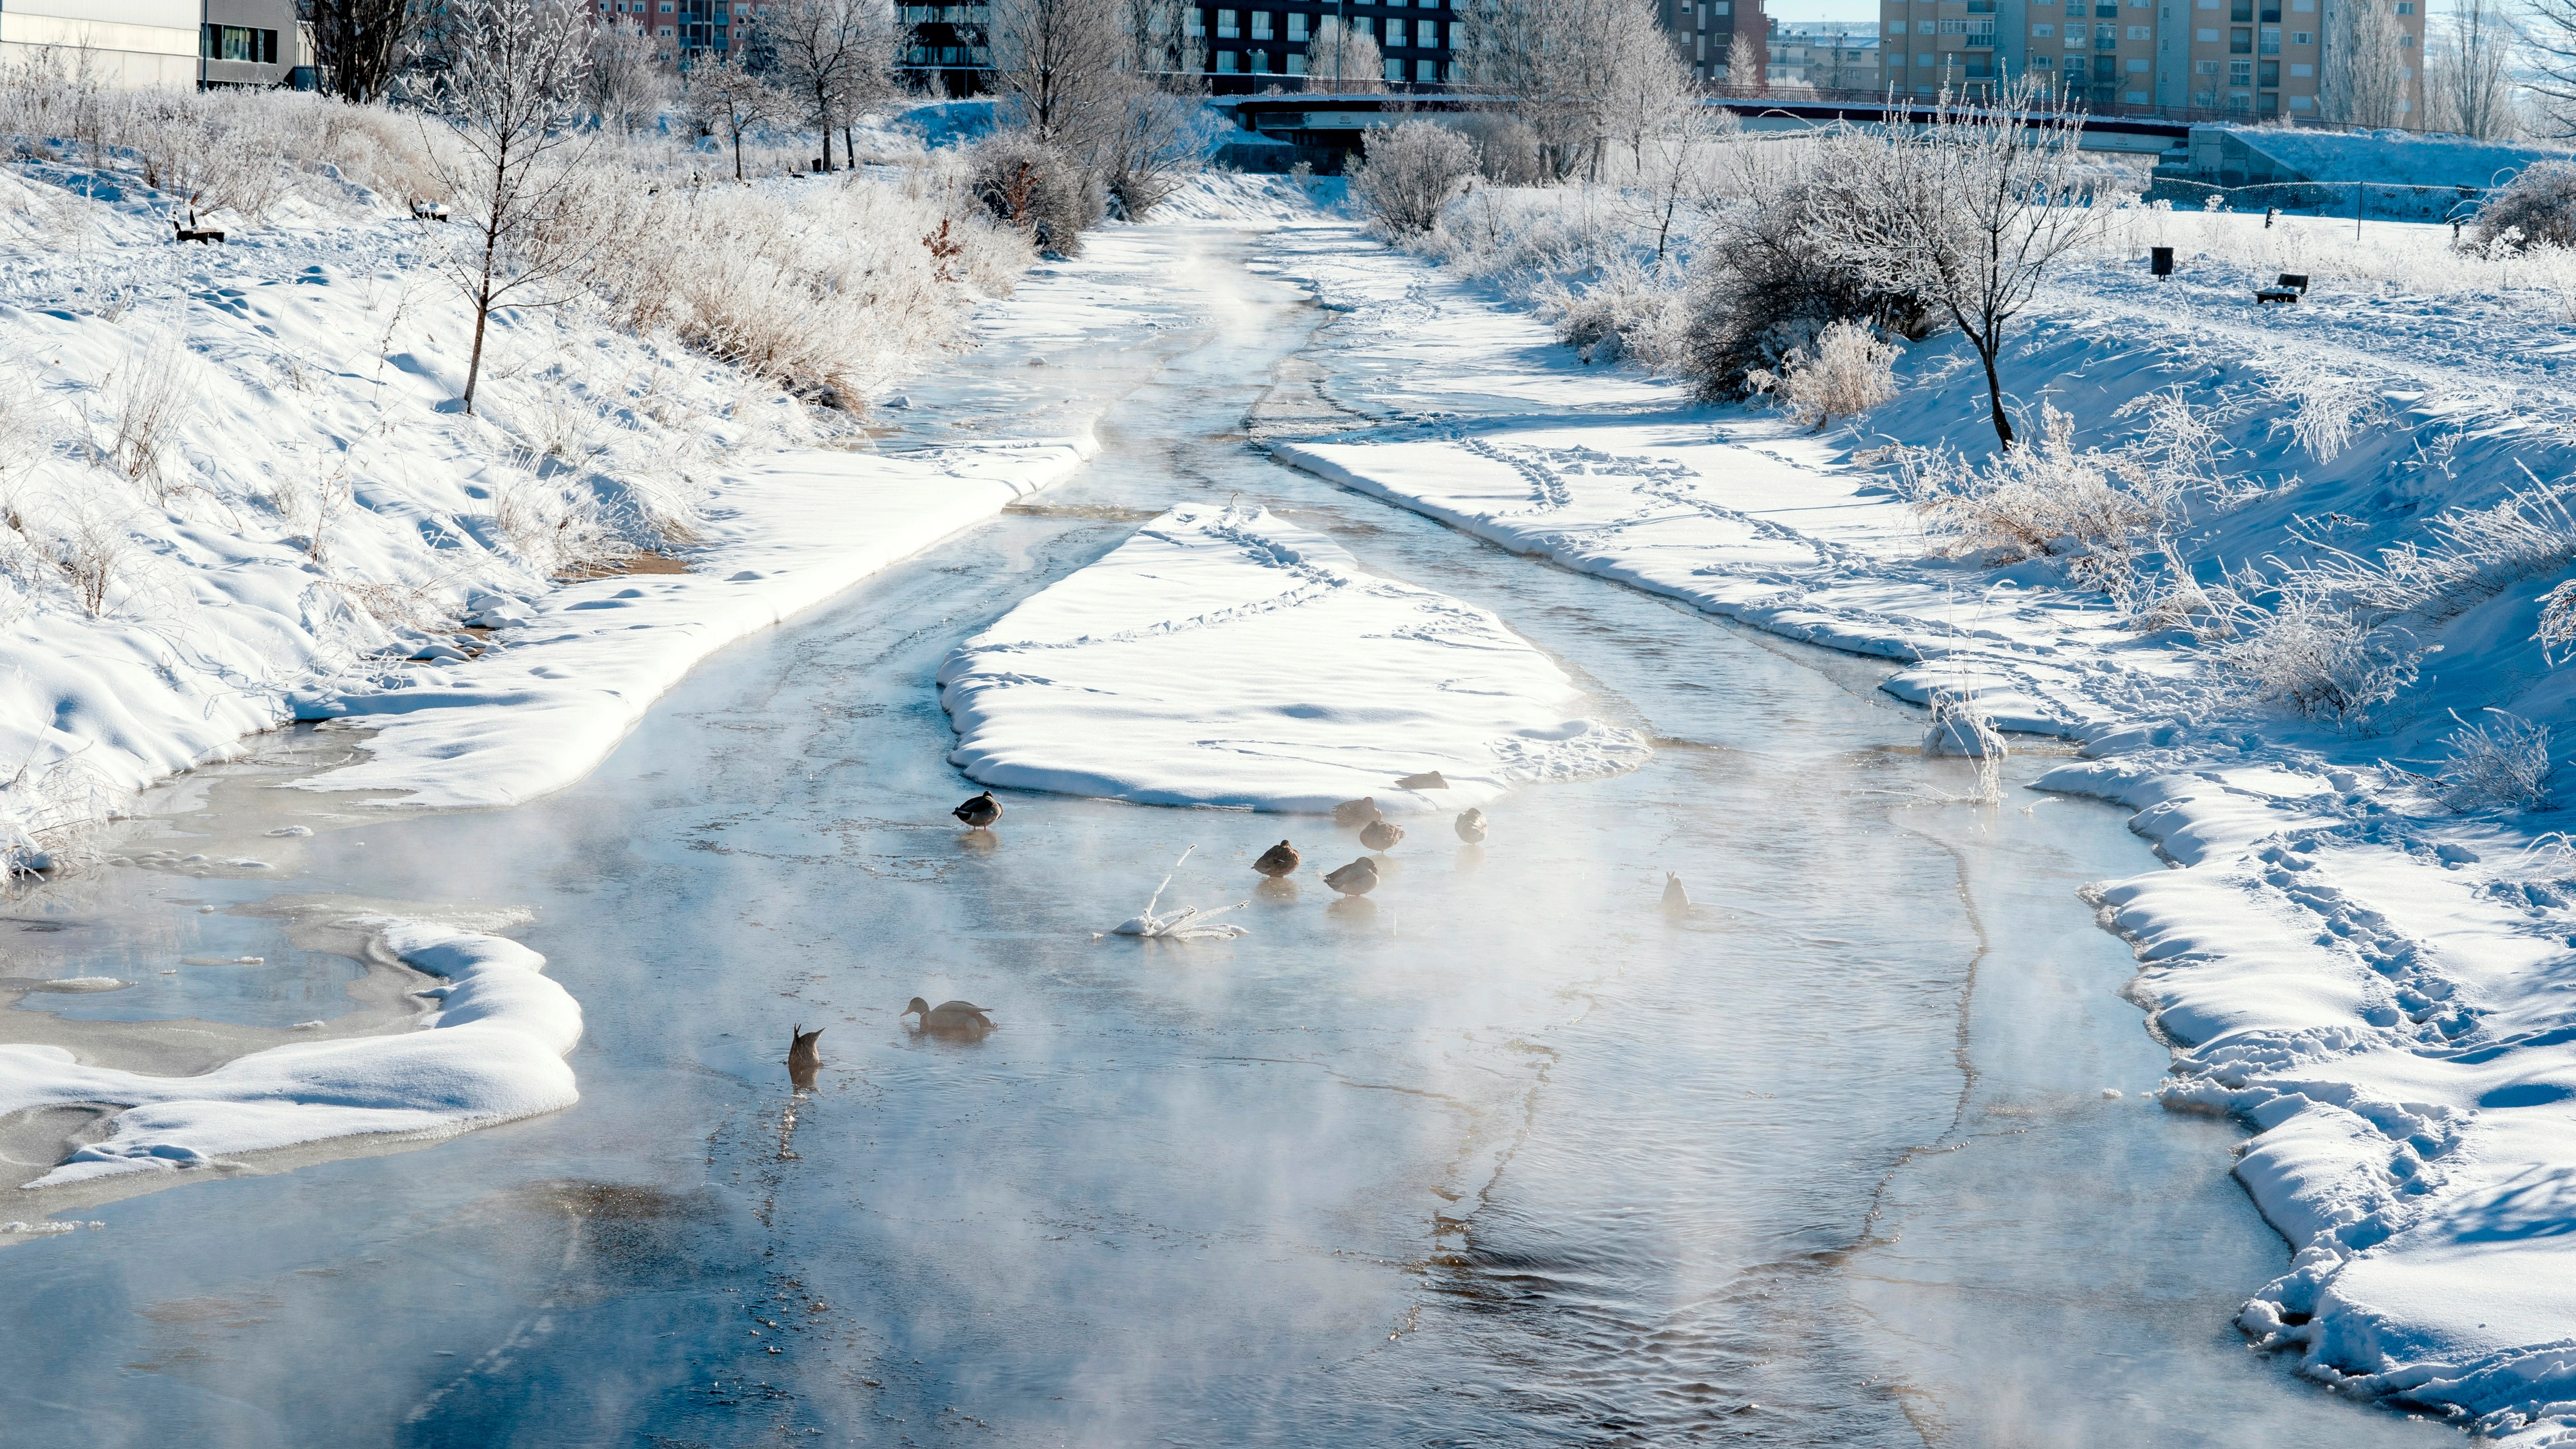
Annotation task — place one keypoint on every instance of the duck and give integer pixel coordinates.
(1278, 860)
(980, 812)
(1471, 826)
(1356, 812)
(1355, 879)
(1676, 900)
(949, 1016)
(804, 1059)
(1381, 834)
(1427, 780)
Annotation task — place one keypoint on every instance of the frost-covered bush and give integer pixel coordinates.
(1411, 173)
(2536, 209)
(2503, 764)
(1850, 371)
(1035, 189)
(2316, 655)
(1771, 272)
(1627, 312)
(2099, 514)
(1506, 148)
(2474, 554)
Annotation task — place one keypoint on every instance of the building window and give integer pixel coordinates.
(2406, 42)
(1197, 25)
(1227, 26)
(1954, 27)
(1395, 70)
(2137, 32)
(1395, 32)
(2078, 34)
(2301, 37)
(1365, 24)
(1896, 27)
(1296, 25)
(1296, 65)
(2240, 41)
(1260, 26)
(2043, 31)
(2271, 42)
(241, 42)
(2303, 71)
(1226, 60)
(2240, 72)
(1457, 41)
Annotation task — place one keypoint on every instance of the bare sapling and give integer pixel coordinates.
(1970, 211)
(511, 93)
(1345, 59)
(1411, 173)
(359, 45)
(836, 57)
(1059, 66)
(624, 85)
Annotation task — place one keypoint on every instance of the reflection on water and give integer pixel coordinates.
(1501, 1152)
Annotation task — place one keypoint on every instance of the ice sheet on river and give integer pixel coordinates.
(493, 1052)
(1228, 657)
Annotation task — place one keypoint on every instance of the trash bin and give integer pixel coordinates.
(2160, 261)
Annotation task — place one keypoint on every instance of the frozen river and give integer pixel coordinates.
(1512, 1157)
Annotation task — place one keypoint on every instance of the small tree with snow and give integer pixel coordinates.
(1344, 58)
(726, 98)
(1411, 172)
(625, 86)
(511, 93)
(1970, 211)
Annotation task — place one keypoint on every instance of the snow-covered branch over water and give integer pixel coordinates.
(1225, 656)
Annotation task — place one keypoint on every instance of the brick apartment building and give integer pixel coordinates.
(2254, 59)
(1707, 33)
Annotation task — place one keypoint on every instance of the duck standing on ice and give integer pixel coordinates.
(1471, 826)
(980, 812)
(1278, 860)
(1381, 834)
(1355, 879)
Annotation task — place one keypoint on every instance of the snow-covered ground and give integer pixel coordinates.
(2375, 980)
(1229, 657)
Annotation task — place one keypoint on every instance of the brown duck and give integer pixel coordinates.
(1381, 834)
(1355, 879)
(1356, 812)
(980, 812)
(1278, 860)
(949, 1016)
(804, 1059)
(1471, 826)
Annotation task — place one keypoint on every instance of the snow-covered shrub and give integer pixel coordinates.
(2327, 409)
(1771, 271)
(2503, 764)
(1410, 174)
(1047, 196)
(1628, 312)
(2314, 654)
(1506, 149)
(1150, 143)
(2043, 499)
(553, 529)
(145, 401)
(2536, 209)
(2557, 631)
(2475, 553)
(1850, 371)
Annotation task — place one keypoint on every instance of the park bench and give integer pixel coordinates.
(189, 231)
(2290, 288)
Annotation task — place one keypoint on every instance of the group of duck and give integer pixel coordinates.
(1377, 833)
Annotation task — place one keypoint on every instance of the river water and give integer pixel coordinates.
(1514, 1157)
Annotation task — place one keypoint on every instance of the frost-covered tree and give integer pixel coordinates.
(726, 97)
(625, 86)
(1060, 64)
(359, 45)
(835, 57)
(1344, 58)
(508, 99)
(1970, 210)
(2468, 71)
(1567, 64)
(2365, 69)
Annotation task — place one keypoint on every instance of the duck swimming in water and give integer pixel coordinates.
(1471, 826)
(949, 1016)
(1356, 812)
(1677, 902)
(1381, 834)
(980, 812)
(1355, 879)
(1278, 860)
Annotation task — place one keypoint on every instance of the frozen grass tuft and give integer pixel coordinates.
(1961, 727)
(2502, 764)
(1850, 371)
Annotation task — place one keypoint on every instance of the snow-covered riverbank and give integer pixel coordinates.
(2371, 974)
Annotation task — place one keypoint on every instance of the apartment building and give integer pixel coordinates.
(1823, 56)
(1708, 32)
(1419, 39)
(2224, 58)
(213, 43)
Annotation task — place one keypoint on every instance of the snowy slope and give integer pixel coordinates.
(2378, 984)
(1227, 657)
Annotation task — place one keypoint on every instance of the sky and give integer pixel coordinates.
(1787, 10)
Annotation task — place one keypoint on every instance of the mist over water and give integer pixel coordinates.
(1505, 1154)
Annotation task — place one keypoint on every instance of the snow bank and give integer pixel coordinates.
(2395, 158)
(492, 1052)
(1227, 196)
(543, 708)
(1227, 657)
(2381, 984)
